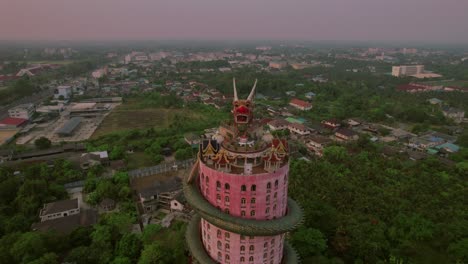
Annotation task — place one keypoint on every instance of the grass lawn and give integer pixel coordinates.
(126, 118)
(139, 160)
(131, 115)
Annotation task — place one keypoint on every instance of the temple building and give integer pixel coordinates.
(238, 187)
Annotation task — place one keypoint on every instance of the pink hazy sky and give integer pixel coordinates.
(375, 20)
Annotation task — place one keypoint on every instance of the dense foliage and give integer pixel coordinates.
(373, 209)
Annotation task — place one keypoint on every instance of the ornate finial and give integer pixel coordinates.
(252, 93)
(235, 89)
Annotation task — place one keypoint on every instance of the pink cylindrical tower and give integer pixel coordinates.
(238, 187)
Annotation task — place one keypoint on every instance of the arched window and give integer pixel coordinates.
(275, 195)
(272, 241)
(252, 213)
(252, 248)
(227, 235)
(242, 213)
(226, 246)
(208, 225)
(243, 200)
(265, 245)
(272, 252)
(218, 196)
(276, 184)
(227, 257)
(268, 198)
(252, 201)
(220, 256)
(226, 186)
(274, 207)
(242, 248)
(243, 188)
(219, 245)
(251, 258)
(218, 185)
(226, 198)
(218, 234)
(265, 255)
(268, 185)
(267, 210)
(242, 259)
(253, 188)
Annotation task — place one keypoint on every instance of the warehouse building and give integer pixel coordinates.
(69, 127)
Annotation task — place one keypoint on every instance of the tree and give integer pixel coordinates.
(182, 154)
(156, 254)
(150, 232)
(459, 250)
(28, 247)
(309, 241)
(121, 260)
(48, 258)
(129, 247)
(42, 143)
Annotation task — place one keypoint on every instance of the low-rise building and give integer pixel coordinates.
(277, 64)
(160, 194)
(107, 204)
(12, 122)
(331, 124)
(317, 144)
(300, 104)
(455, 114)
(298, 129)
(63, 91)
(310, 95)
(59, 209)
(25, 111)
(344, 134)
(278, 124)
(178, 203)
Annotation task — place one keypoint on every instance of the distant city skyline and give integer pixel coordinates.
(429, 21)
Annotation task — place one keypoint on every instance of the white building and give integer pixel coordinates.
(277, 64)
(407, 70)
(64, 90)
(298, 129)
(99, 73)
(59, 209)
(25, 111)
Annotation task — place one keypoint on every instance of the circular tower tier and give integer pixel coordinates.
(239, 190)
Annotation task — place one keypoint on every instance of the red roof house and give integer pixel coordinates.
(300, 104)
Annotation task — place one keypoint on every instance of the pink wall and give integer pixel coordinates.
(277, 194)
(225, 247)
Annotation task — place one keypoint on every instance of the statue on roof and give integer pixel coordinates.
(243, 109)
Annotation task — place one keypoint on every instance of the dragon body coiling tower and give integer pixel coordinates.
(238, 187)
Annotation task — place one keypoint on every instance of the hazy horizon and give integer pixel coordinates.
(398, 21)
